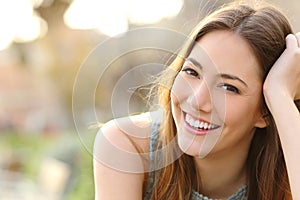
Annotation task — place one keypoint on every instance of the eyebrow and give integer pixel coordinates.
(232, 77)
(195, 62)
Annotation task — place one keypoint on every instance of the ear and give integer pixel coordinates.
(262, 120)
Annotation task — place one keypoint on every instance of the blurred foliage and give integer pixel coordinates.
(24, 152)
(83, 187)
(25, 149)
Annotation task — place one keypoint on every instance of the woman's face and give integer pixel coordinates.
(216, 97)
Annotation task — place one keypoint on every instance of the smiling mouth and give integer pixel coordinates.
(199, 124)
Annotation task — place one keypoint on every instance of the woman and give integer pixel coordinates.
(231, 125)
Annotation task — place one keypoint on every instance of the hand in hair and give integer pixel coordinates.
(281, 89)
(284, 77)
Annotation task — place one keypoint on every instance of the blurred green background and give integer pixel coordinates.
(43, 43)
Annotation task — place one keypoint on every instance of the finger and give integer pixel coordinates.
(291, 41)
(298, 38)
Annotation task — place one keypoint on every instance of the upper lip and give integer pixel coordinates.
(200, 119)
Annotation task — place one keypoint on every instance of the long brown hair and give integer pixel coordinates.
(265, 29)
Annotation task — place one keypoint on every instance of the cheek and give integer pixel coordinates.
(241, 112)
(179, 93)
(175, 93)
(235, 111)
(180, 90)
(175, 100)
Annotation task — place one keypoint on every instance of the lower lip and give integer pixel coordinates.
(193, 130)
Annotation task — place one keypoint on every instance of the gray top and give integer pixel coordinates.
(239, 195)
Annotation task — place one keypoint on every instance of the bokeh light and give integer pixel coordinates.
(112, 17)
(20, 23)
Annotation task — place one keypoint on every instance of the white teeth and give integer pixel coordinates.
(201, 125)
(198, 124)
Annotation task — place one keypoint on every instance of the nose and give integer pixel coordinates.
(200, 97)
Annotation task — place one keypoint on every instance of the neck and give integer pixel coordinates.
(222, 174)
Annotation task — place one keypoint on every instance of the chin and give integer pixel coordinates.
(192, 145)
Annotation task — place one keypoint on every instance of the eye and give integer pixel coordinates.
(229, 88)
(190, 71)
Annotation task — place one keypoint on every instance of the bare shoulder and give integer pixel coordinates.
(128, 133)
(118, 165)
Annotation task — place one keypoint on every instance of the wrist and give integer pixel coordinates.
(276, 96)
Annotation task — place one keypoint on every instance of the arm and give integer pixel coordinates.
(113, 184)
(118, 167)
(281, 88)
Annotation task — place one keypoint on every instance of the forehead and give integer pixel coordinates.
(228, 53)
